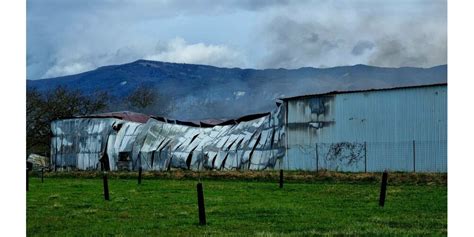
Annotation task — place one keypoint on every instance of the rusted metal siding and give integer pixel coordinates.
(381, 125)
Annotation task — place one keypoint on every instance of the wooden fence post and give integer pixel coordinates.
(202, 212)
(140, 175)
(281, 178)
(106, 186)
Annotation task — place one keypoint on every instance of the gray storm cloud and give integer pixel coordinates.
(295, 44)
(361, 47)
(67, 37)
(359, 32)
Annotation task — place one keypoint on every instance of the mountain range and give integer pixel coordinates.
(191, 92)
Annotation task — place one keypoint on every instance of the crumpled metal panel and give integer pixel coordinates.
(168, 146)
(122, 141)
(157, 145)
(79, 142)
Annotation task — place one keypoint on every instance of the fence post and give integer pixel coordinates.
(414, 157)
(281, 178)
(202, 212)
(106, 186)
(317, 158)
(140, 175)
(383, 189)
(365, 157)
(42, 174)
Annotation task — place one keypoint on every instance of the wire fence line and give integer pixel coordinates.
(407, 156)
(359, 156)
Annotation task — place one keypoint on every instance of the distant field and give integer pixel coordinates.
(67, 206)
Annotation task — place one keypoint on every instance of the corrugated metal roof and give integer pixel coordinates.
(126, 115)
(356, 91)
(123, 115)
(212, 122)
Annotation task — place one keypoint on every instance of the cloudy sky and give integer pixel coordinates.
(68, 36)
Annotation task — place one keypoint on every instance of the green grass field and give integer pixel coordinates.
(161, 207)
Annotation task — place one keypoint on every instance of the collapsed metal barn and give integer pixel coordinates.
(113, 143)
(399, 129)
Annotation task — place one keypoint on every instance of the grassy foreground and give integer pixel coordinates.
(66, 206)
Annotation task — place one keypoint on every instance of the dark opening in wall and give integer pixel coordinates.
(223, 162)
(161, 143)
(238, 144)
(228, 137)
(117, 127)
(214, 161)
(190, 157)
(124, 156)
(179, 146)
(164, 145)
(124, 160)
(192, 140)
(188, 160)
(230, 145)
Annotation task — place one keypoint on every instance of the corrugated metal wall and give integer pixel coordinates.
(400, 129)
(81, 142)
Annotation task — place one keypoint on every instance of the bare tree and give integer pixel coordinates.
(142, 97)
(42, 109)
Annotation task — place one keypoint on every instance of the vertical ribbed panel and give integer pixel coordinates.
(387, 120)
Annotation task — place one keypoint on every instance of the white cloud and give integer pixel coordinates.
(67, 69)
(67, 37)
(81, 59)
(379, 33)
(179, 51)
